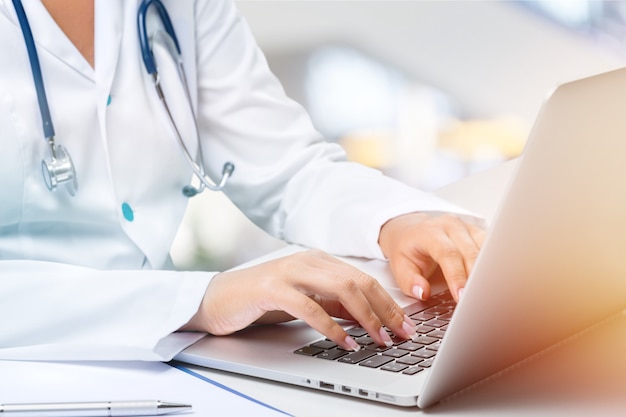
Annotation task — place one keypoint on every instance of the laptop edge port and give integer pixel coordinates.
(327, 385)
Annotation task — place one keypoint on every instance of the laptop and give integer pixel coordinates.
(553, 265)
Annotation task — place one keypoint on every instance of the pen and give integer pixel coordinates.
(95, 409)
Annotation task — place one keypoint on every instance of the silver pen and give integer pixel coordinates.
(92, 409)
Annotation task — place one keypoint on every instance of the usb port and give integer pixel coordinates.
(327, 385)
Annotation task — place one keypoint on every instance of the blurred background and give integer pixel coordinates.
(426, 91)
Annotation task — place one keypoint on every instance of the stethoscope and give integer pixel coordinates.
(59, 168)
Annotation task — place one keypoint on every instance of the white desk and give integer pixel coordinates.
(583, 377)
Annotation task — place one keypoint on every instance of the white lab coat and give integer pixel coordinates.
(78, 280)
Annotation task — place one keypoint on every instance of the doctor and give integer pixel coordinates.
(87, 276)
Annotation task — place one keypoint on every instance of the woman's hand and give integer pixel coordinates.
(418, 246)
(312, 286)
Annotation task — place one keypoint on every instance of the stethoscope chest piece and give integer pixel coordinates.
(59, 169)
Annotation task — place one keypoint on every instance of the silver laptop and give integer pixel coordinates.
(554, 264)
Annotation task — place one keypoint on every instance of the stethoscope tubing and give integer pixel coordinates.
(144, 42)
(59, 168)
(44, 109)
(152, 69)
(198, 169)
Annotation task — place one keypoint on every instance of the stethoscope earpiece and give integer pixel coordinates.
(227, 171)
(189, 191)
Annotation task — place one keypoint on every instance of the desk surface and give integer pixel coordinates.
(584, 376)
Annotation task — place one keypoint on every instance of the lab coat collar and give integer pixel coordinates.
(7, 11)
(49, 36)
(107, 38)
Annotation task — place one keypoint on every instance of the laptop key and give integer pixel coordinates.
(438, 310)
(365, 340)
(419, 317)
(446, 317)
(410, 346)
(376, 361)
(434, 346)
(309, 351)
(410, 360)
(356, 332)
(436, 323)
(426, 340)
(439, 333)
(332, 354)
(356, 357)
(324, 344)
(424, 329)
(413, 370)
(424, 353)
(421, 306)
(397, 340)
(395, 353)
(394, 367)
(426, 363)
(376, 348)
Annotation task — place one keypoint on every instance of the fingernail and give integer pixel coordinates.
(460, 293)
(352, 344)
(409, 329)
(418, 292)
(385, 336)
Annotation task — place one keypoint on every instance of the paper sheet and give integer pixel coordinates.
(29, 382)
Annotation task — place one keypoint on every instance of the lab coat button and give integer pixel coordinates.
(127, 211)
(109, 100)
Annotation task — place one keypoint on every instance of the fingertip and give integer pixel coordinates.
(456, 292)
(351, 344)
(409, 328)
(385, 337)
(421, 291)
(418, 292)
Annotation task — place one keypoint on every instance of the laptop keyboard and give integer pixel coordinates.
(407, 357)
